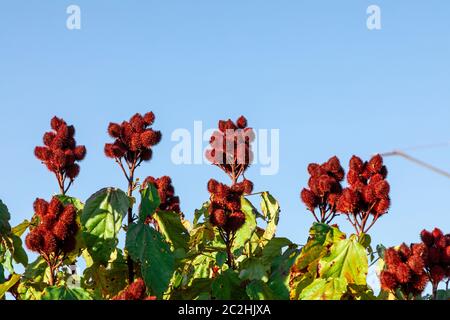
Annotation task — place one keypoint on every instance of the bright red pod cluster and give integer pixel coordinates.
(166, 192)
(134, 139)
(231, 147)
(324, 185)
(225, 209)
(135, 291)
(368, 189)
(56, 228)
(438, 254)
(60, 152)
(405, 269)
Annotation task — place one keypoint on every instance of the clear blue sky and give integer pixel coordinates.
(310, 68)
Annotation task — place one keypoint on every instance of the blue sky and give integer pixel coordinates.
(309, 68)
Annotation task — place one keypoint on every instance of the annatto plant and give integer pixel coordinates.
(229, 251)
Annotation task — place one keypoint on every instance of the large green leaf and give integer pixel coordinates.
(254, 269)
(65, 293)
(4, 287)
(271, 210)
(323, 289)
(258, 290)
(101, 221)
(150, 201)
(146, 245)
(244, 234)
(73, 201)
(227, 286)
(202, 212)
(347, 260)
(20, 229)
(280, 275)
(273, 249)
(172, 228)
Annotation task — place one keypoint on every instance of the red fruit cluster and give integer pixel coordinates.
(368, 189)
(437, 258)
(55, 230)
(60, 152)
(166, 192)
(324, 187)
(225, 209)
(405, 270)
(134, 139)
(231, 147)
(135, 291)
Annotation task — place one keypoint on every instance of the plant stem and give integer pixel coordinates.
(130, 221)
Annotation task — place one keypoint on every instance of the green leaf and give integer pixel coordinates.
(146, 245)
(347, 260)
(4, 287)
(106, 281)
(66, 200)
(258, 290)
(280, 275)
(19, 255)
(202, 212)
(221, 258)
(101, 222)
(171, 226)
(65, 293)
(271, 211)
(244, 234)
(253, 269)
(20, 229)
(322, 289)
(227, 286)
(273, 249)
(5, 227)
(150, 201)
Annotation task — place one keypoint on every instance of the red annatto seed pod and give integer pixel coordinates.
(235, 221)
(388, 281)
(375, 179)
(49, 244)
(79, 153)
(402, 273)
(56, 123)
(368, 194)
(356, 164)
(138, 123)
(333, 199)
(146, 154)
(333, 165)
(391, 257)
(420, 283)
(312, 168)
(437, 274)
(416, 264)
(382, 189)
(382, 206)
(60, 230)
(353, 177)
(446, 255)
(248, 186)
(420, 250)
(309, 199)
(73, 171)
(136, 142)
(437, 234)
(218, 218)
(404, 252)
(68, 216)
(212, 185)
(34, 241)
(427, 238)
(434, 255)
(149, 118)
(55, 206)
(375, 164)
(43, 153)
(40, 207)
(114, 130)
(48, 138)
(135, 291)
(241, 122)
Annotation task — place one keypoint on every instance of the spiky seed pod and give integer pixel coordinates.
(356, 164)
(241, 123)
(375, 164)
(388, 281)
(309, 199)
(218, 218)
(427, 238)
(40, 207)
(248, 186)
(235, 221)
(416, 264)
(149, 118)
(437, 274)
(135, 291)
